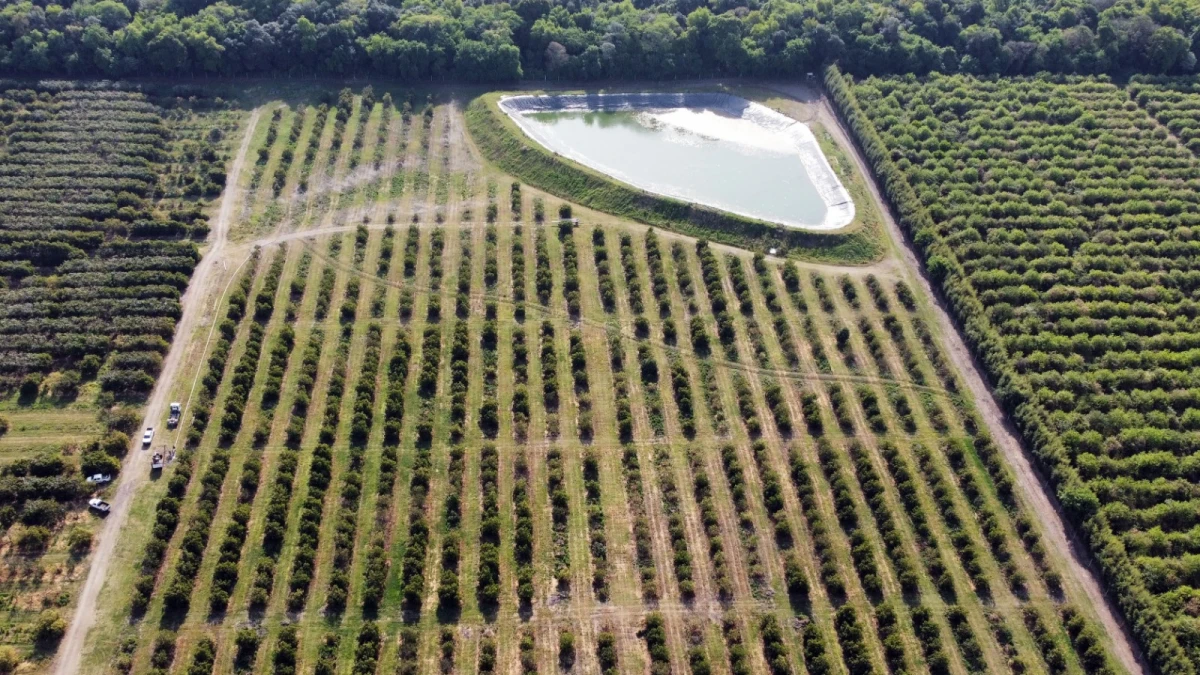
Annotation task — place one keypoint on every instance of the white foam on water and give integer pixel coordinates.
(688, 123)
(698, 117)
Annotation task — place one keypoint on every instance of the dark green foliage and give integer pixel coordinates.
(91, 272)
(1044, 360)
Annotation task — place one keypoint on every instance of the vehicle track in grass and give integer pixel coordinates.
(1034, 488)
(136, 468)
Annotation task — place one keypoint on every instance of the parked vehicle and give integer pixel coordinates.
(156, 462)
(173, 418)
(99, 505)
(100, 478)
(147, 437)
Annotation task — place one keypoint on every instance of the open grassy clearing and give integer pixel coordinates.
(762, 463)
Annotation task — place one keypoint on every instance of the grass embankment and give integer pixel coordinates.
(503, 143)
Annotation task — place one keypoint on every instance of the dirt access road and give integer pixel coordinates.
(1037, 492)
(136, 469)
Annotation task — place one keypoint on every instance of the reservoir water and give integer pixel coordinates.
(749, 164)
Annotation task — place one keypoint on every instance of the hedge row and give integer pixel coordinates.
(320, 475)
(398, 366)
(166, 520)
(616, 359)
(831, 574)
(412, 569)
(350, 495)
(681, 388)
(735, 644)
(549, 361)
(234, 313)
(655, 635)
(460, 365)
(633, 279)
(741, 288)
(604, 279)
(528, 653)
(517, 263)
(710, 269)
(676, 528)
(579, 373)
(427, 382)
(862, 554)
(710, 519)
(288, 155)
(522, 530)
(595, 520)
(462, 294)
(241, 381)
(779, 321)
(735, 478)
(747, 408)
(327, 654)
(489, 339)
(520, 369)
(606, 652)
(488, 585)
(491, 268)
(560, 513)
(407, 660)
(314, 143)
(648, 369)
(543, 279)
(775, 649)
(570, 259)
(263, 153)
(449, 597)
(643, 545)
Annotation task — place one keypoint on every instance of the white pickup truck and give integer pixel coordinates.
(100, 478)
(99, 505)
(147, 437)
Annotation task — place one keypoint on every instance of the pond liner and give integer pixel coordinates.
(838, 203)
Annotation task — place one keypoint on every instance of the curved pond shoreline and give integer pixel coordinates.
(839, 207)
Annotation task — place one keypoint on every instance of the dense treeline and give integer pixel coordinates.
(662, 39)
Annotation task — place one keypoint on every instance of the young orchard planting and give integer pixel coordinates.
(443, 422)
(1058, 216)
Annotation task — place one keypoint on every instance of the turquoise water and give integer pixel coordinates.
(696, 155)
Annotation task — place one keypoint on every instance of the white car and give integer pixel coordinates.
(147, 437)
(100, 479)
(100, 505)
